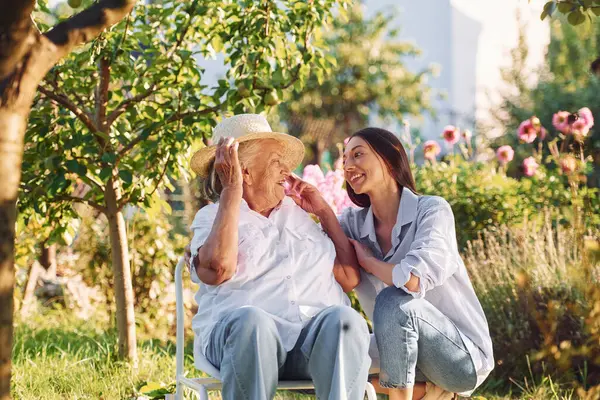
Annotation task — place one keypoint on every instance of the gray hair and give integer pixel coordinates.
(210, 187)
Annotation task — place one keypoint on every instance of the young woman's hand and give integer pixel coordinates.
(363, 254)
(306, 195)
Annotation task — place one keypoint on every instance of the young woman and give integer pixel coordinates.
(430, 329)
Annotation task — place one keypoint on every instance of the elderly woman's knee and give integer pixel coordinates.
(346, 319)
(252, 319)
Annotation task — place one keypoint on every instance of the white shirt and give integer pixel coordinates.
(285, 267)
(424, 244)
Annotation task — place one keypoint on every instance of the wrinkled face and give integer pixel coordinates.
(364, 169)
(266, 174)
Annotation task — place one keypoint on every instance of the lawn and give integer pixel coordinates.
(57, 356)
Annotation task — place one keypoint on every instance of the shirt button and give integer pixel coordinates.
(293, 302)
(288, 277)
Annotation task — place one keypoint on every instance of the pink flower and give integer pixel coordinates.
(530, 166)
(586, 115)
(346, 141)
(431, 149)
(313, 174)
(568, 164)
(580, 128)
(560, 120)
(451, 135)
(543, 133)
(330, 185)
(467, 135)
(505, 154)
(527, 131)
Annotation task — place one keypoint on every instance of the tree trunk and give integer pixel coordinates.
(190, 205)
(122, 277)
(317, 147)
(48, 260)
(12, 131)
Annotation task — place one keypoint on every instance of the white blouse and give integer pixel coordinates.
(285, 267)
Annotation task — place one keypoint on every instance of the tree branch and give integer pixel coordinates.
(179, 116)
(126, 200)
(86, 25)
(17, 34)
(64, 101)
(174, 118)
(125, 104)
(74, 199)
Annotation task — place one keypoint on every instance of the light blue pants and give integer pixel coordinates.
(332, 351)
(418, 343)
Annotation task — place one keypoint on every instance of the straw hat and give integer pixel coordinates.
(242, 128)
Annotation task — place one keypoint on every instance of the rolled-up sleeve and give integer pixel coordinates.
(201, 227)
(430, 255)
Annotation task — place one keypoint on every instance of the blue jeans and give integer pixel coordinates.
(332, 351)
(418, 343)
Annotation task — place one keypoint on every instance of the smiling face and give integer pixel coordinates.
(264, 175)
(364, 169)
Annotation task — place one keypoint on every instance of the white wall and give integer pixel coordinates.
(470, 40)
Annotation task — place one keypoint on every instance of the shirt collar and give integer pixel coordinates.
(286, 202)
(408, 207)
(407, 212)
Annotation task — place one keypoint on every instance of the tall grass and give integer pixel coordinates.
(537, 284)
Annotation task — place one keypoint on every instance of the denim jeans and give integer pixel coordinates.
(418, 343)
(332, 350)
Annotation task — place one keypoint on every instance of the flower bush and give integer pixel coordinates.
(330, 184)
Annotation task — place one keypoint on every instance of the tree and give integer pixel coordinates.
(369, 75)
(576, 11)
(260, 41)
(26, 55)
(120, 116)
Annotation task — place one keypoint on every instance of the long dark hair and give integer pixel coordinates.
(389, 148)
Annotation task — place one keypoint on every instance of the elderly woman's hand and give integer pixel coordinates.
(227, 164)
(306, 195)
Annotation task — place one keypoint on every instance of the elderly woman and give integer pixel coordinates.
(269, 306)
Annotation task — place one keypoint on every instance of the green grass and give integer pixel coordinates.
(57, 356)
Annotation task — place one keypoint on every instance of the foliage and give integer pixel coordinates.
(564, 84)
(479, 195)
(124, 111)
(576, 11)
(155, 248)
(369, 75)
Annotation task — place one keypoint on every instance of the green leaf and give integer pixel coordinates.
(549, 8)
(76, 167)
(109, 158)
(217, 43)
(105, 173)
(576, 17)
(127, 176)
(565, 7)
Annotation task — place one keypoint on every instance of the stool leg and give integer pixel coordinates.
(203, 394)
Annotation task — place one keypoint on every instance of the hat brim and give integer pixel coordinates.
(292, 155)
